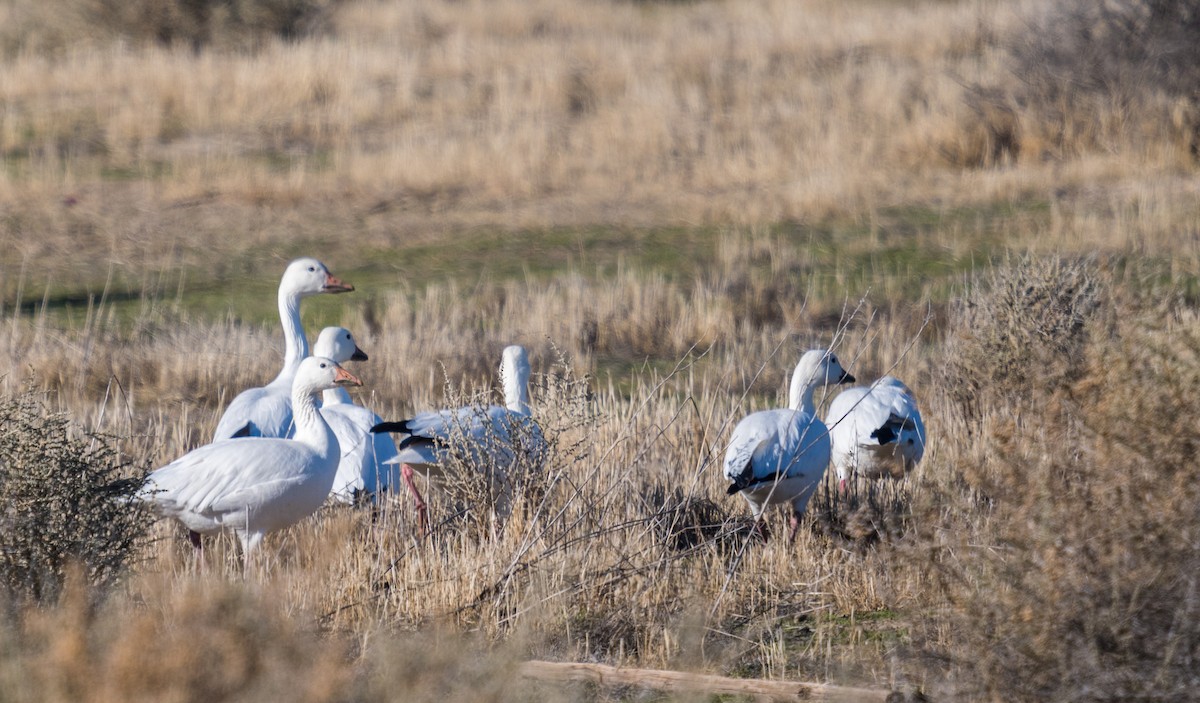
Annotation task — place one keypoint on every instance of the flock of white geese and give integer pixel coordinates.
(278, 454)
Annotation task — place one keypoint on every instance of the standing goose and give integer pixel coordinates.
(779, 456)
(257, 485)
(267, 411)
(490, 437)
(876, 431)
(363, 452)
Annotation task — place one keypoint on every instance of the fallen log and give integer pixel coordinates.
(684, 681)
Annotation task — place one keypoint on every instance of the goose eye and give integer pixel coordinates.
(312, 269)
(833, 359)
(324, 366)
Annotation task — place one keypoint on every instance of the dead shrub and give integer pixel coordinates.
(1066, 555)
(1019, 331)
(870, 512)
(224, 24)
(65, 498)
(683, 523)
(989, 136)
(1096, 73)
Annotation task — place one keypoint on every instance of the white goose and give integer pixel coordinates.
(360, 472)
(876, 431)
(491, 437)
(779, 456)
(257, 485)
(267, 411)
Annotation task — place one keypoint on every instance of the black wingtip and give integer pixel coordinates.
(884, 435)
(411, 440)
(246, 431)
(733, 489)
(400, 426)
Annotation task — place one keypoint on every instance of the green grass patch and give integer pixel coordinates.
(911, 253)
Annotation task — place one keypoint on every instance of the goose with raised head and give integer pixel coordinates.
(492, 438)
(361, 472)
(779, 456)
(267, 411)
(876, 431)
(254, 486)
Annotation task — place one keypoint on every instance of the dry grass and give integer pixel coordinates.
(664, 203)
(634, 554)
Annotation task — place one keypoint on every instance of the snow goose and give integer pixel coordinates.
(875, 431)
(363, 452)
(267, 411)
(779, 456)
(488, 437)
(256, 485)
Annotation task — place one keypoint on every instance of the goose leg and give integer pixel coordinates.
(406, 475)
(760, 526)
(250, 560)
(795, 526)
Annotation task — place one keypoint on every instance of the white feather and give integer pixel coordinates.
(267, 411)
(255, 485)
(876, 431)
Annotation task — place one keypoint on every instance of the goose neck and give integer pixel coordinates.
(516, 391)
(800, 394)
(295, 344)
(336, 396)
(311, 428)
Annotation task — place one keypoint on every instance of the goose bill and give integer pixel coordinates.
(336, 285)
(342, 377)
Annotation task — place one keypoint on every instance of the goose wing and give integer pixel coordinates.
(874, 424)
(753, 451)
(485, 434)
(228, 475)
(256, 412)
(774, 444)
(903, 428)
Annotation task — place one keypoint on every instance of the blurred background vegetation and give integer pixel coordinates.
(666, 202)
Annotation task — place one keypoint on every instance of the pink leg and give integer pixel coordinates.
(795, 525)
(842, 486)
(406, 475)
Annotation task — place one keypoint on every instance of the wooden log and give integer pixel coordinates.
(661, 680)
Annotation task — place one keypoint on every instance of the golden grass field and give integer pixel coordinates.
(666, 203)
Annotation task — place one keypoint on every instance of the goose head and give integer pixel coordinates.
(338, 344)
(319, 373)
(307, 276)
(822, 368)
(817, 367)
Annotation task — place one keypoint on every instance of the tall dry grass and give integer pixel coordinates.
(1041, 549)
(1044, 548)
(560, 112)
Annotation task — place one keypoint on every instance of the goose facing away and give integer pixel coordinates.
(256, 485)
(780, 456)
(361, 471)
(876, 431)
(489, 437)
(267, 411)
